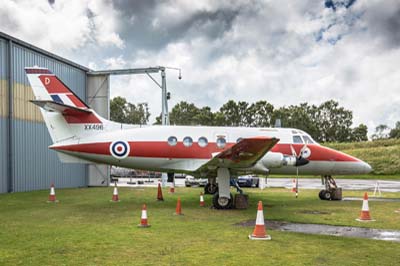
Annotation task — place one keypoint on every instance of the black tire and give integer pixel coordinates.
(217, 202)
(320, 195)
(210, 188)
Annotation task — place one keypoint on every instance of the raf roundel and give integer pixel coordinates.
(119, 149)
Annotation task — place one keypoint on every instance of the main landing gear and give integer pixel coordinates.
(331, 191)
(222, 198)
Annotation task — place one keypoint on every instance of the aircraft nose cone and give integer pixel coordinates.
(366, 167)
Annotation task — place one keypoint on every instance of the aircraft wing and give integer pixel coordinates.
(243, 154)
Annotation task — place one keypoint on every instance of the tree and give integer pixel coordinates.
(360, 133)
(395, 132)
(334, 122)
(183, 113)
(228, 114)
(137, 114)
(234, 114)
(117, 109)
(205, 117)
(261, 114)
(126, 112)
(381, 132)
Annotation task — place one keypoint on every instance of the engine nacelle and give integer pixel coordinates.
(277, 159)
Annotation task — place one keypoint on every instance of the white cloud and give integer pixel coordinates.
(285, 52)
(274, 55)
(63, 26)
(115, 62)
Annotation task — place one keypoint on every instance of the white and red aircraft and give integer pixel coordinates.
(82, 136)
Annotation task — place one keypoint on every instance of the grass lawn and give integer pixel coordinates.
(84, 228)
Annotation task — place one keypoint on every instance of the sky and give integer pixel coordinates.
(285, 52)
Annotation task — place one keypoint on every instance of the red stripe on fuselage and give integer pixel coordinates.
(74, 117)
(161, 149)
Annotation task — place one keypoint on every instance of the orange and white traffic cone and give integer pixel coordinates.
(159, 193)
(364, 215)
(294, 185)
(52, 195)
(259, 232)
(201, 200)
(178, 210)
(143, 220)
(172, 188)
(115, 197)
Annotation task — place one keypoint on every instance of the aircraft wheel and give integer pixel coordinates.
(325, 195)
(210, 188)
(320, 195)
(222, 202)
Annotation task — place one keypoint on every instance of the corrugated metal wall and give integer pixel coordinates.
(3, 116)
(34, 166)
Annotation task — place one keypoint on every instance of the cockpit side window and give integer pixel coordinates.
(307, 139)
(297, 139)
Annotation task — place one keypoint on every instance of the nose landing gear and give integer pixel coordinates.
(331, 191)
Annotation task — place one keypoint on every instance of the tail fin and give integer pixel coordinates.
(66, 115)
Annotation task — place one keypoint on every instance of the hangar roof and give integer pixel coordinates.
(44, 52)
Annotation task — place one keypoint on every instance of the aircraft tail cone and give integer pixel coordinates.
(159, 193)
(172, 188)
(143, 220)
(115, 197)
(178, 210)
(259, 232)
(52, 195)
(294, 190)
(364, 215)
(202, 204)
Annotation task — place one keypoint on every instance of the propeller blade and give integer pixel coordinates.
(303, 149)
(293, 151)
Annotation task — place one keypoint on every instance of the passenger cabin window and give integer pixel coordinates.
(221, 142)
(307, 139)
(202, 142)
(187, 141)
(239, 140)
(297, 139)
(172, 141)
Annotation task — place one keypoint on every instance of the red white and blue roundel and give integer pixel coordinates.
(119, 149)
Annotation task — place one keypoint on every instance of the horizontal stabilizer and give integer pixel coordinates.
(60, 107)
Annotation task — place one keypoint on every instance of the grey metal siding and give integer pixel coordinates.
(3, 155)
(3, 116)
(35, 166)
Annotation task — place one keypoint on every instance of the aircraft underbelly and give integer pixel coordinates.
(312, 168)
(145, 163)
